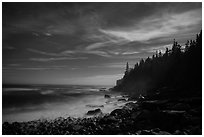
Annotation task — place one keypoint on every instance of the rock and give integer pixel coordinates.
(144, 132)
(161, 133)
(181, 106)
(134, 115)
(107, 96)
(102, 89)
(131, 105)
(178, 132)
(94, 112)
(108, 120)
(151, 132)
(155, 130)
(119, 112)
(77, 127)
(125, 96)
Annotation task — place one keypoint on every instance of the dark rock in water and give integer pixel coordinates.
(107, 96)
(125, 96)
(131, 105)
(102, 89)
(94, 112)
(122, 99)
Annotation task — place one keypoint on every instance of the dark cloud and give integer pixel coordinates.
(79, 35)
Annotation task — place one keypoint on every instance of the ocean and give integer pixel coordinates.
(32, 102)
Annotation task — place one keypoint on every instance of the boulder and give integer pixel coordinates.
(131, 105)
(119, 112)
(94, 112)
(107, 96)
(102, 89)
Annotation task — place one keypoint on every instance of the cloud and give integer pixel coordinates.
(130, 53)
(83, 51)
(18, 67)
(70, 53)
(57, 59)
(32, 68)
(108, 43)
(42, 52)
(159, 25)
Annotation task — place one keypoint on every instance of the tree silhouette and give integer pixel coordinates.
(177, 68)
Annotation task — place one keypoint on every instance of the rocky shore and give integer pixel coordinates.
(151, 115)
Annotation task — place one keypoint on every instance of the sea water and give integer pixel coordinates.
(33, 102)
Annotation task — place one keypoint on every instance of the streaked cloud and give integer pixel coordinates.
(130, 53)
(42, 52)
(32, 68)
(159, 25)
(57, 59)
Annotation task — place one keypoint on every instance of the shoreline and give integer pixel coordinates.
(81, 107)
(154, 115)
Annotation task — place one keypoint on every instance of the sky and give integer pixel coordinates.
(88, 43)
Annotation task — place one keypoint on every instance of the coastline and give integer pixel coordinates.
(151, 115)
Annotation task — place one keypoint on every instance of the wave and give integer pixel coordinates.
(20, 89)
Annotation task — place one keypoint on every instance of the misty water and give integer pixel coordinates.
(26, 103)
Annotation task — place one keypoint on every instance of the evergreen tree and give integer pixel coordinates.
(175, 68)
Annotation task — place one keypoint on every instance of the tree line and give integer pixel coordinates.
(178, 67)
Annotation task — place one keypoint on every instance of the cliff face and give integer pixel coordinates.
(177, 67)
